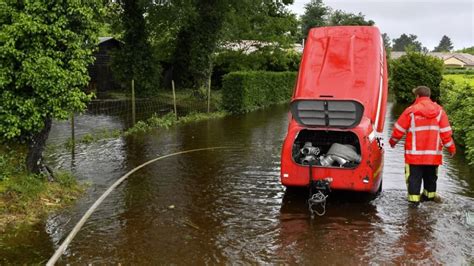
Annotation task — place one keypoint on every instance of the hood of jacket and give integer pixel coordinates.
(423, 106)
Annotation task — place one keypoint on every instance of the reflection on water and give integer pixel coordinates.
(228, 206)
(84, 124)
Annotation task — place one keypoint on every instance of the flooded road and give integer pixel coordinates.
(227, 206)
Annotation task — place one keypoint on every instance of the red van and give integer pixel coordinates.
(338, 111)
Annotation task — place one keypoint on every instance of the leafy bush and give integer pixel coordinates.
(11, 161)
(416, 69)
(458, 101)
(247, 91)
(139, 127)
(165, 121)
(279, 60)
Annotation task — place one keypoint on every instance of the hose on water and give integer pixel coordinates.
(94, 206)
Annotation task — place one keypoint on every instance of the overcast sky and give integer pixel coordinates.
(428, 19)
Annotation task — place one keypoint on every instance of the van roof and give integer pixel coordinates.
(342, 63)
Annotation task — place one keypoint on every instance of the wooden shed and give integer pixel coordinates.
(102, 78)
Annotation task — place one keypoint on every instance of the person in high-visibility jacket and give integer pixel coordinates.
(427, 130)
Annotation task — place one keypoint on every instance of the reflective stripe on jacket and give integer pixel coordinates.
(427, 128)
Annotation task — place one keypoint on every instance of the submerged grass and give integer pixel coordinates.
(170, 120)
(96, 136)
(154, 122)
(26, 198)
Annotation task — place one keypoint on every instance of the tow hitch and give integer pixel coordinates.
(318, 193)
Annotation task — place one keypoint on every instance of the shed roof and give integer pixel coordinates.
(103, 40)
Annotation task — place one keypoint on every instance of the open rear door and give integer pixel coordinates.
(327, 113)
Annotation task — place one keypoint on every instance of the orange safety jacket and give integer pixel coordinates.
(427, 127)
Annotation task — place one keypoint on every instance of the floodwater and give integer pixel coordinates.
(227, 206)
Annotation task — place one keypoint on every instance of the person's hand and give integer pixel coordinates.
(392, 143)
(451, 154)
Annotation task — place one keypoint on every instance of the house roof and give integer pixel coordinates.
(467, 59)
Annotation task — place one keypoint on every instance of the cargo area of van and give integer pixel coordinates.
(326, 148)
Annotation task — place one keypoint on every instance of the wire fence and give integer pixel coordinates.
(105, 115)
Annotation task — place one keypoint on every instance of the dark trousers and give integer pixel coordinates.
(414, 175)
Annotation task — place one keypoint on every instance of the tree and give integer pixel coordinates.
(405, 42)
(136, 60)
(196, 43)
(263, 21)
(45, 48)
(445, 45)
(340, 18)
(208, 25)
(387, 44)
(262, 32)
(315, 15)
(415, 69)
(467, 50)
(164, 20)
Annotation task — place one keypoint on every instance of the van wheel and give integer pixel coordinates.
(373, 196)
(380, 188)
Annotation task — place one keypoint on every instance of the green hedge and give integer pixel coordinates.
(246, 91)
(412, 70)
(466, 71)
(458, 101)
(275, 60)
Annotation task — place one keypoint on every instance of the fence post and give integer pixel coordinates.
(209, 95)
(73, 136)
(174, 100)
(133, 102)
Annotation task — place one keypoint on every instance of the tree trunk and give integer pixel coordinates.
(197, 42)
(36, 147)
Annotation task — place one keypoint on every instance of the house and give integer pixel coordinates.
(250, 46)
(460, 60)
(457, 60)
(100, 72)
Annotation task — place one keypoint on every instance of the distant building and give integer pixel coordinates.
(102, 79)
(459, 60)
(250, 46)
(298, 47)
(245, 46)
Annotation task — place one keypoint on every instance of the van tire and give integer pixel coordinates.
(379, 190)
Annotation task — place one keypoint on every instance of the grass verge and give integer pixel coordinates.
(461, 78)
(26, 198)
